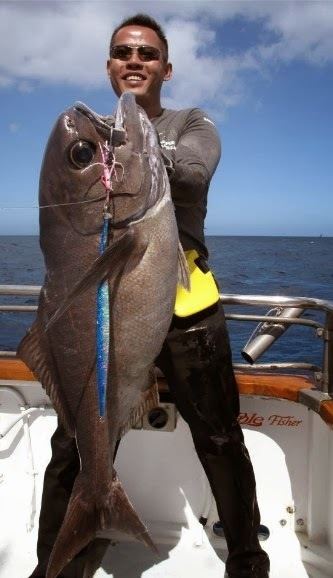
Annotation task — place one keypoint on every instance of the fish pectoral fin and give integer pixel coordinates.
(35, 351)
(113, 260)
(89, 512)
(183, 270)
(148, 400)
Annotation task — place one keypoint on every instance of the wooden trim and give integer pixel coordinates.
(326, 411)
(13, 368)
(273, 385)
(263, 384)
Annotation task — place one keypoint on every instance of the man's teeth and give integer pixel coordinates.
(134, 77)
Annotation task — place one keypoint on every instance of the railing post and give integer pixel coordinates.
(328, 354)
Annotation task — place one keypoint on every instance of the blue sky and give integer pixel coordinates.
(262, 70)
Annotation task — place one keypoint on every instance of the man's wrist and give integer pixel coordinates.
(169, 164)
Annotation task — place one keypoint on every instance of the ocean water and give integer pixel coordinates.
(293, 266)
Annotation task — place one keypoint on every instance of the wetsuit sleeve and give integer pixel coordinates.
(195, 159)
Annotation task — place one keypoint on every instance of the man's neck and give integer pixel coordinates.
(151, 109)
(153, 112)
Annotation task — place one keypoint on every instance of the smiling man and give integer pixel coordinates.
(195, 357)
(139, 63)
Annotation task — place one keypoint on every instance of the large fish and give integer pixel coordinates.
(105, 306)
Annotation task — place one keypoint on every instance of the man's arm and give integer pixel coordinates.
(195, 159)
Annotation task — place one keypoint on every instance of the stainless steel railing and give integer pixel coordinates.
(323, 374)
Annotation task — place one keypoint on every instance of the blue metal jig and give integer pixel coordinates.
(103, 328)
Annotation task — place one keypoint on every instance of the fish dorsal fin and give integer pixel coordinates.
(183, 270)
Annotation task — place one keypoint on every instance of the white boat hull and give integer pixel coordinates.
(292, 453)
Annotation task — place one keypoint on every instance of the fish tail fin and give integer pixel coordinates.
(125, 518)
(85, 516)
(77, 531)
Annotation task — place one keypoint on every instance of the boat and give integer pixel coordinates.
(287, 418)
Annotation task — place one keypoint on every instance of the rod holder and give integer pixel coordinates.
(266, 333)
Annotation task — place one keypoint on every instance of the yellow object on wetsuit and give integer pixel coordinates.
(203, 290)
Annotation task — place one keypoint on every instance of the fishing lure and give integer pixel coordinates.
(103, 327)
(103, 297)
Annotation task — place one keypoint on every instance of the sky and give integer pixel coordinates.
(263, 70)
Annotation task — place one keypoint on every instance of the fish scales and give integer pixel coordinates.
(140, 265)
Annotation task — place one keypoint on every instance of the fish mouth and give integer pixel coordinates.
(101, 123)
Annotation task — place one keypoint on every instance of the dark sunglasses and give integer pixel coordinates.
(145, 53)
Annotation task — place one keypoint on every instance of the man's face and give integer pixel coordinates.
(142, 77)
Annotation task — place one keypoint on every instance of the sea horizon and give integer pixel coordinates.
(242, 264)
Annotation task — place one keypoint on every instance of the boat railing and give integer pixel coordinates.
(323, 374)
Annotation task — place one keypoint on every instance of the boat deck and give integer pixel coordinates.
(182, 560)
(161, 473)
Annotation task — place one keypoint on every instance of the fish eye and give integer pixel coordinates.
(81, 153)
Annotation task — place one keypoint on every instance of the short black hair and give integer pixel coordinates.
(148, 22)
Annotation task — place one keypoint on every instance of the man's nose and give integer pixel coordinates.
(134, 59)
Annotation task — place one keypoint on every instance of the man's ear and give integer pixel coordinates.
(108, 68)
(168, 71)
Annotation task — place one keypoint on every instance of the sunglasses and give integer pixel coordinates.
(145, 53)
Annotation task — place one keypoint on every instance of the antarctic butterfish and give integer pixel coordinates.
(118, 292)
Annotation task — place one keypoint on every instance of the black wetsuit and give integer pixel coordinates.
(196, 361)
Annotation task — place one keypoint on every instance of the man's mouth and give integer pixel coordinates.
(134, 77)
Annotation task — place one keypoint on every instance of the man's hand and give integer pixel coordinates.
(169, 161)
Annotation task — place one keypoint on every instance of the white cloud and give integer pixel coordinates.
(25, 86)
(13, 127)
(66, 42)
(203, 77)
(305, 31)
(62, 42)
(5, 81)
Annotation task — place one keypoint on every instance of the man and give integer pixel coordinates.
(196, 357)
